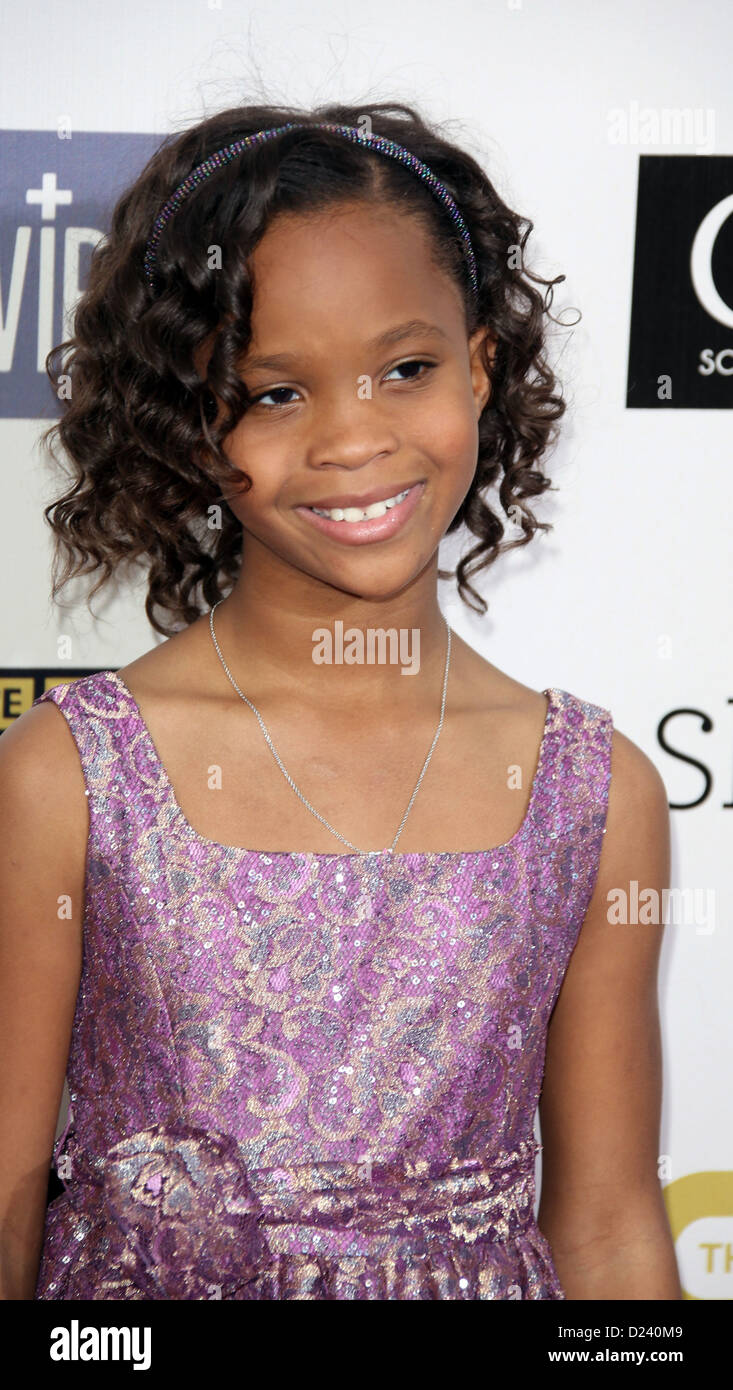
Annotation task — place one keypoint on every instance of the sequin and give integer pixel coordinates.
(272, 1098)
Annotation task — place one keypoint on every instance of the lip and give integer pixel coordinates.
(377, 528)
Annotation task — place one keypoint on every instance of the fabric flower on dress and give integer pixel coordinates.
(182, 1219)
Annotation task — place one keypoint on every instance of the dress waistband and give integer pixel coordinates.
(179, 1203)
(347, 1207)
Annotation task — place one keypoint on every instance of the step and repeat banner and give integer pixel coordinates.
(611, 127)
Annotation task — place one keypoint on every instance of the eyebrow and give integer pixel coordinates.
(412, 328)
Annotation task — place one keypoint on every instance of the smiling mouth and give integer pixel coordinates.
(356, 525)
(370, 513)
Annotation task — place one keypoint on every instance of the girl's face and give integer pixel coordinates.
(367, 389)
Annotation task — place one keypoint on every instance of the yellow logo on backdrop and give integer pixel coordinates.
(17, 694)
(700, 1210)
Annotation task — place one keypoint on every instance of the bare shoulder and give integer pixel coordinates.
(170, 664)
(38, 753)
(43, 802)
(638, 807)
(637, 774)
(637, 795)
(636, 842)
(482, 686)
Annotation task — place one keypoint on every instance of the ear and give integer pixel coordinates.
(482, 347)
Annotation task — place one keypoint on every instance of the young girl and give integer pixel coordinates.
(315, 939)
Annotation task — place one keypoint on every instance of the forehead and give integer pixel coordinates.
(347, 259)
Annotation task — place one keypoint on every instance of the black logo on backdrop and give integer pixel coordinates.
(681, 343)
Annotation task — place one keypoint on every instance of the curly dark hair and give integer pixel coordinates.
(139, 424)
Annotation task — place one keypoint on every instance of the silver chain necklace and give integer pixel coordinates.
(286, 774)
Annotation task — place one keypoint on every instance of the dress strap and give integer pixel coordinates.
(86, 702)
(121, 792)
(125, 865)
(569, 810)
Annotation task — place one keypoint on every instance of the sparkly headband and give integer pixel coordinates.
(377, 142)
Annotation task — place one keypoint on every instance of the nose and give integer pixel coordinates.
(350, 431)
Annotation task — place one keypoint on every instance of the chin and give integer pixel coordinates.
(377, 587)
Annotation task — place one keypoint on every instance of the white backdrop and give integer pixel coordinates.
(626, 603)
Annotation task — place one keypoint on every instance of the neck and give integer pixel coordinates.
(269, 634)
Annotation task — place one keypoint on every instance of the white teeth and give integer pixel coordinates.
(361, 513)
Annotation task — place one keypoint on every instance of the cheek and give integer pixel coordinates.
(261, 466)
(450, 439)
(447, 425)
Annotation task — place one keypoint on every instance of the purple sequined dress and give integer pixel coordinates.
(311, 1076)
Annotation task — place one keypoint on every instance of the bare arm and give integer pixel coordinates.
(602, 1208)
(43, 836)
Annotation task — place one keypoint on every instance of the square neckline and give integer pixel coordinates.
(317, 855)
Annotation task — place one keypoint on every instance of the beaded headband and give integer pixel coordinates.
(376, 142)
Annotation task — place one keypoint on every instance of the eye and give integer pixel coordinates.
(411, 362)
(274, 391)
(280, 391)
